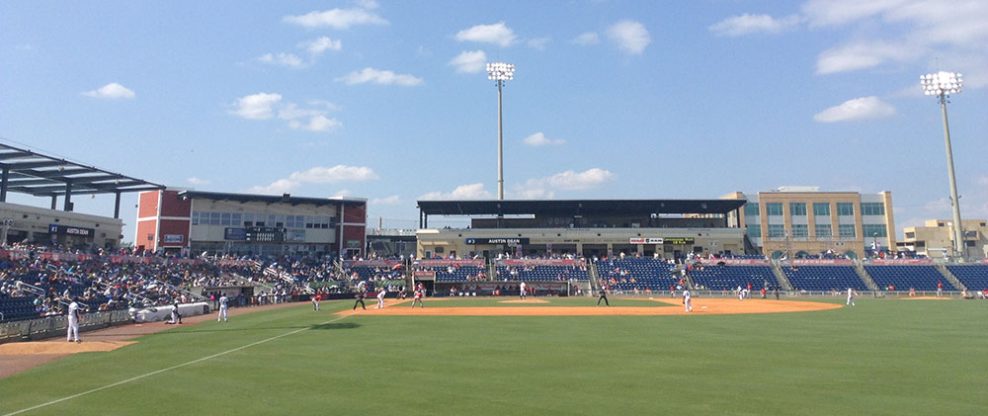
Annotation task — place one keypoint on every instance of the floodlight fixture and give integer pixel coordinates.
(500, 71)
(941, 84)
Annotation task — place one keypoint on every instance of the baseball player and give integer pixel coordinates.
(419, 293)
(176, 317)
(850, 296)
(523, 290)
(380, 297)
(603, 296)
(687, 300)
(315, 301)
(224, 303)
(74, 317)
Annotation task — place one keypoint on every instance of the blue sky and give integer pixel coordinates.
(388, 100)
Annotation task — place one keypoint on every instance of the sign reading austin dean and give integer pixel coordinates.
(498, 241)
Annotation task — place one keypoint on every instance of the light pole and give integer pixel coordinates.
(941, 85)
(500, 73)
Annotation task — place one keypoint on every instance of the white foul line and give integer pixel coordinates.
(156, 372)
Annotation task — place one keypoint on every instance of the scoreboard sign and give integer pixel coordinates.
(54, 229)
(643, 240)
(265, 235)
(498, 241)
(679, 241)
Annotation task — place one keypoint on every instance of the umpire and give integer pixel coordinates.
(603, 296)
(360, 299)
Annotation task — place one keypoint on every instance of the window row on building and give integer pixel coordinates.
(249, 219)
(798, 209)
(822, 231)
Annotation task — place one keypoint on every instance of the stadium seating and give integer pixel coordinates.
(730, 277)
(541, 273)
(631, 274)
(974, 276)
(824, 278)
(905, 277)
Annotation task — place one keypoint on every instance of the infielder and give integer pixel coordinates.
(380, 297)
(418, 296)
(315, 301)
(74, 317)
(224, 301)
(522, 290)
(850, 296)
(687, 300)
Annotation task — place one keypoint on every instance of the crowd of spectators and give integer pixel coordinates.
(107, 280)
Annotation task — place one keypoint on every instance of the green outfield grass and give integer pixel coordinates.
(883, 357)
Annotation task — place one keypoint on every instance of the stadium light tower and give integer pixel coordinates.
(500, 73)
(941, 85)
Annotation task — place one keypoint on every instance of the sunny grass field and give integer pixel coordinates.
(888, 357)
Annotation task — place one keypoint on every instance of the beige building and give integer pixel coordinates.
(801, 221)
(935, 238)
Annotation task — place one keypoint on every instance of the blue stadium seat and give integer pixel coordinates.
(974, 276)
(824, 278)
(905, 277)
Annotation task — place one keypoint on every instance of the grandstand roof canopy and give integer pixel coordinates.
(29, 172)
(271, 199)
(582, 207)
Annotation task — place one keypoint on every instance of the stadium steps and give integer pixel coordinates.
(950, 277)
(780, 276)
(865, 277)
(594, 278)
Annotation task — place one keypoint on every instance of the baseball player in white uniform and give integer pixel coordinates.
(223, 307)
(523, 290)
(850, 296)
(74, 315)
(380, 297)
(687, 300)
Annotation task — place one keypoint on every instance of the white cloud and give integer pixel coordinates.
(863, 55)
(279, 186)
(497, 33)
(470, 191)
(338, 173)
(746, 24)
(469, 62)
(538, 43)
(863, 108)
(197, 181)
(539, 139)
(380, 77)
(545, 188)
(258, 106)
(318, 175)
(283, 59)
(388, 200)
(838, 12)
(321, 44)
(111, 91)
(342, 193)
(263, 106)
(337, 18)
(590, 178)
(587, 39)
(317, 124)
(630, 36)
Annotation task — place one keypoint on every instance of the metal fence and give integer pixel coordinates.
(41, 328)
